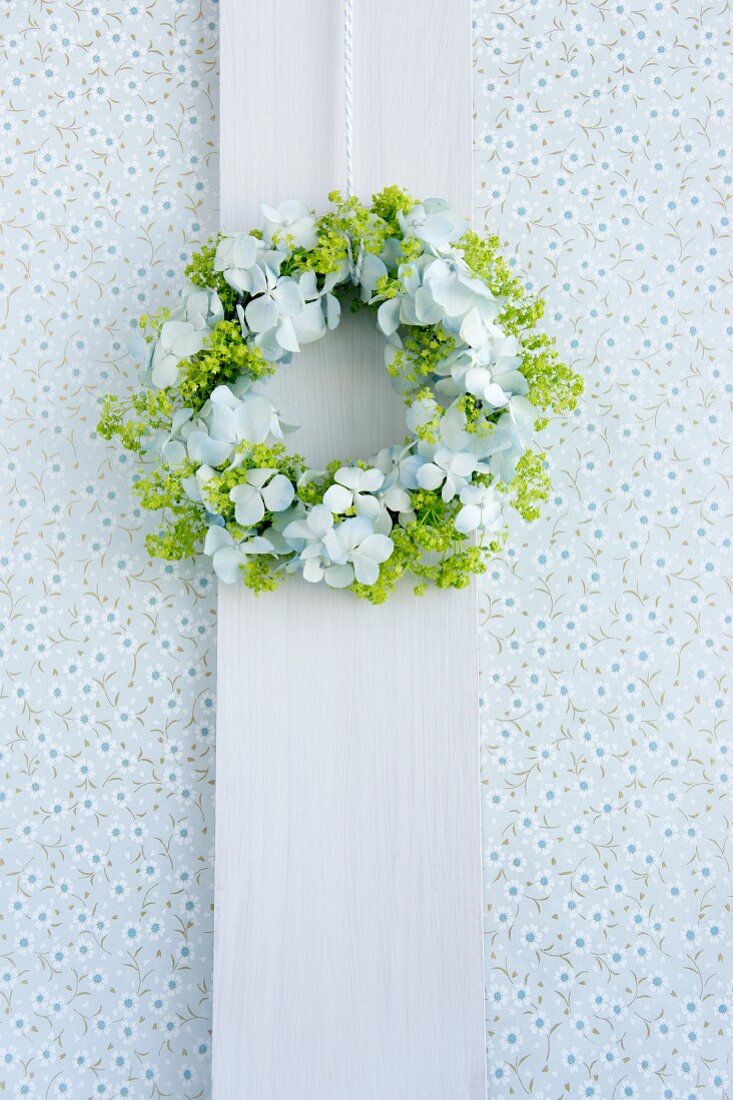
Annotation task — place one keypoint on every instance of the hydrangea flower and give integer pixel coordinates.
(273, 308)
(246, 263)
(458, 292)
(290, 224)
(394, 463)
(446, 468)
(338, 553)
(308, 537)
(183, 335)
(481, 509)
(352, 488)
(505, 444)
(433, 222)
(262, 491)
(354, 546)
(229, 554)
(231, 420)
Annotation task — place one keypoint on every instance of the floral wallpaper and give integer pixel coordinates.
(108, 179)
(602, 143)
(602, 157)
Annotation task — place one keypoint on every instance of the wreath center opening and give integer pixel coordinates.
(337, 394)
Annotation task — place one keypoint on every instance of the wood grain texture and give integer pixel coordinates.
(348, 957)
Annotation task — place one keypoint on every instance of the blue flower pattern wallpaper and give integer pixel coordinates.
(602, 159)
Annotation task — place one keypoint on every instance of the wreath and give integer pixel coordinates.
(461, 347)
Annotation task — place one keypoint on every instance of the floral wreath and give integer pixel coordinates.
(462, 349)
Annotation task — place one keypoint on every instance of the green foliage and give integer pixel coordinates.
(329, 253)
(552, 384)
(530, 485)
(429, 432)
(351, 219)
(471, 408)
(200, 271)
(260, 574)
(133, 420)
(423, 350)
(483, 255)
(390, 202)
(150, 324)
(224, 358)
(185, 521)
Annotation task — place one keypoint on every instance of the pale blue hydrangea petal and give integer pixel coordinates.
(430, 476)
(211, 452)
(388, 316)
(366, 569)
(278, 494)
(312, 570)
(261, 314)
(249, 507)
(339, 576)
(337, 498)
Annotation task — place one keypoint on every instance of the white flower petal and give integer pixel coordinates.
(209, 452)
(377, 547)
(227, 563)
(370, 480)
(339, 576)
(396, 499)
(249, 507)
(278, 495)
(320, 520)
(388, 316)
(257, 477)
(313, 570)
(261, 314)
(298, 530)
(287, 337)
(430, 476)
(468, 519)
(216, 539)
(338, 499)
(254, 418)
(366, 569)
(288, 296)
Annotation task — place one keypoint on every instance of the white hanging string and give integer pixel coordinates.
(349, 93)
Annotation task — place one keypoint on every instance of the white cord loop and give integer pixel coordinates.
(348, 93)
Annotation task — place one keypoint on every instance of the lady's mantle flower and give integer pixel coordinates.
(263, 491)
(229, 555)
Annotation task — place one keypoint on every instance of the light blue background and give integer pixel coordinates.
(602, 158)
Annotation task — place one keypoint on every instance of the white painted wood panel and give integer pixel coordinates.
(348, 958)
